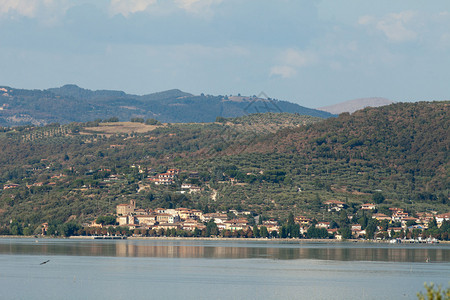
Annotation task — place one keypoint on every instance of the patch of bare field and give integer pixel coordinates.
(120, 127)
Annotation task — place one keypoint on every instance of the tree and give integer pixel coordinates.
(16, 228)
(346, 233)
(251, 220)
(378, 197)
(27, 231)
(343, 219)
(292, 229)
(137, 120)
(317, 233)
(69, 229)
(434, 293)
(363, 221)
(256, 232)
(152, 122)
(284, 232)
(333, 224)
(371, 228)
(432, 223)
(197, 232)
(263, 232)
(291, 220)
(112, 119)
(106, 220)
(111, 230)
(211, 228)
(384, 225)
(410, 223)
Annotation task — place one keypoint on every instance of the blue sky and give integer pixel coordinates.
(313, 53)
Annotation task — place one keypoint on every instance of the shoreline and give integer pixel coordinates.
(222, 239)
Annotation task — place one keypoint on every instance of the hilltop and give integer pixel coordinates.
(71, 103)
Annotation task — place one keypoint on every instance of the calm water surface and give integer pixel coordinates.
(197, 269)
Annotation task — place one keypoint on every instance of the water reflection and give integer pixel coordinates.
(229, 250)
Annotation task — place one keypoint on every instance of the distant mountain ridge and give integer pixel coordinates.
(72, 90)
(71, 103)
(353, 105)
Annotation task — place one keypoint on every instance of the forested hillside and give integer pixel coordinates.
(71, 103)
(271, 164)
(408, 139)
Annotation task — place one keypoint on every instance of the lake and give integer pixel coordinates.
(217, 269)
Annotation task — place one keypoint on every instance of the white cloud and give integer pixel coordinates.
(21, 7)
(365, 20)
(290, 60)
(197, 6)
(127, 7)
(47, 11)
(283, 71)
(395, 26)
(297, 58)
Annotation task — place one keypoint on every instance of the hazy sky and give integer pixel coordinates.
(314, 53)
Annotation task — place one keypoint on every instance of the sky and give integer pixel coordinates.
(311, 52)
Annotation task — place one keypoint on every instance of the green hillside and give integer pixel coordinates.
(271, 164)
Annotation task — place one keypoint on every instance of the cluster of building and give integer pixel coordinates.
(190, 219)
(169, 177)
(10, 186)
(179, 218)
(398, 215)
(166, 178)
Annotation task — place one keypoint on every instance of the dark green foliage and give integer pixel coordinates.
(371, 228)
(16, 228)
(152, 121)
(211, 228)
(317, 233)
(263, 232)
(112, 119)
(106, 220)
(345, 232)
(137, 120)
(378, 198)
(256, 232)
(69, 229)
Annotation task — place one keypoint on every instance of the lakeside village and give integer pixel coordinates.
(193, 223)
(184, 222)
(129, 220)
